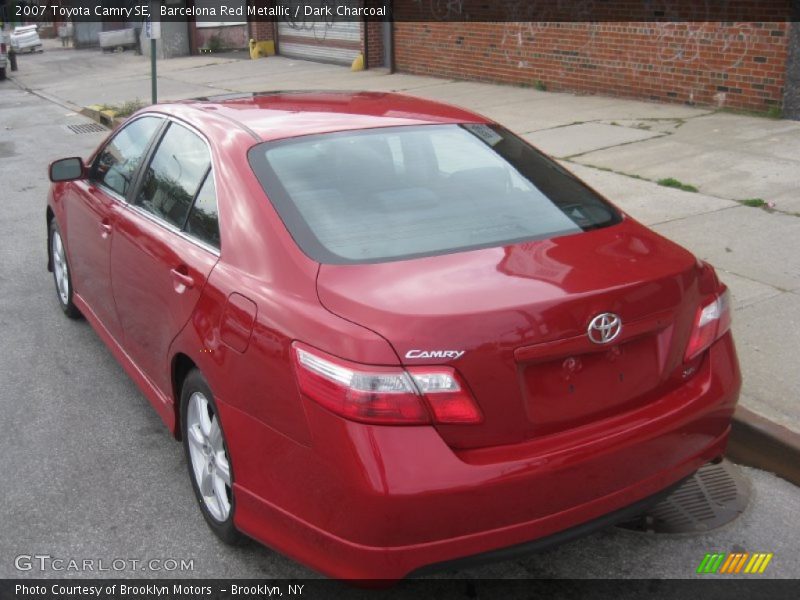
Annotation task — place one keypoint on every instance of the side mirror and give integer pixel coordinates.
(67, 169)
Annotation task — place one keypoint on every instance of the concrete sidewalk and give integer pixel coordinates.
(619, 146)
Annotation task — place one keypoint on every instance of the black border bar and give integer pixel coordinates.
(708, 588)
(429, 11)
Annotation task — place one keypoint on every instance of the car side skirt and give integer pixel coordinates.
(163, 404)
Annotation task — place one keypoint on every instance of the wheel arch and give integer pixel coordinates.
(182, 365)
(49, 216)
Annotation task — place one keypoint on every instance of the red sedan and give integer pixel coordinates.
(389, 332)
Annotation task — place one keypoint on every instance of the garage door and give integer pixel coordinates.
(319, 39)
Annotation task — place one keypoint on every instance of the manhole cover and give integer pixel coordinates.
(87, 128)
(712, 497)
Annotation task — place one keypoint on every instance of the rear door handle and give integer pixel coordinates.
(105, 228)
(182, 279)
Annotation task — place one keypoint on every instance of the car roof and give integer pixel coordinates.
(278, 115)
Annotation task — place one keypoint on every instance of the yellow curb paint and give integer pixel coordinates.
(263, 48)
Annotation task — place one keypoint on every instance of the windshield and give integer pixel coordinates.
(402, 192)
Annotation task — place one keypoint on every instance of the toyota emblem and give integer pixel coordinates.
(604, 328)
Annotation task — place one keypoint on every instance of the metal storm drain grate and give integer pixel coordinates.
(87, 128)
(712, 497)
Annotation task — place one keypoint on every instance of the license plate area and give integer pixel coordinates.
(570, 391)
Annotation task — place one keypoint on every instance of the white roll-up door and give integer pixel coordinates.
(316, 38)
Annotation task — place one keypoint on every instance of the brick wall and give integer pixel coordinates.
(737, 65)
(262, 31)
(374, 47)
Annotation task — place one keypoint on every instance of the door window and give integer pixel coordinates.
(116, 165)
(174, 175)
(203, 221)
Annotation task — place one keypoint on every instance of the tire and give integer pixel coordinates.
(206, 450)
(2, 74)
(62, 276)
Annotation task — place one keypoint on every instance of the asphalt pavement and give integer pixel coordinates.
(90, 472)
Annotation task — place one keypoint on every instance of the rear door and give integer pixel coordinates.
(166, 243)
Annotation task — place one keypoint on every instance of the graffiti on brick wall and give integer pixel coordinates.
(677, 42)
(674, 49)
(683, 42)
(525, 22)
(318, 25)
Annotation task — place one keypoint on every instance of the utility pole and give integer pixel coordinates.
(152, 31)
(153, 72)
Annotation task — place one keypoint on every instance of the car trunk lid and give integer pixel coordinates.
(513, 321)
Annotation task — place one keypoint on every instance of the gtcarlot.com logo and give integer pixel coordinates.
(46, 562)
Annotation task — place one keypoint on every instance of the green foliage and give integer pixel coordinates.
(126, 109)
(215, 43)
(754, 202)
(775, 112)
(678, 185)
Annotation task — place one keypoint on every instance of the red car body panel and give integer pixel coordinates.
(164, 276)
(387, 501)
(367, 501)
(91, 213)
(526, 384)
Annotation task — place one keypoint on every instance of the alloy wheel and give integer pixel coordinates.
(209, 459)
(60, 268)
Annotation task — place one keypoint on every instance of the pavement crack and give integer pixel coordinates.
(777, 288)
(620, 145)
(708, 212)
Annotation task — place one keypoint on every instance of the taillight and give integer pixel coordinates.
(447, 396)
(384, 395)
(712, 322)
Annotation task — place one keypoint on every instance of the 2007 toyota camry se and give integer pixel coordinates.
(390, 333)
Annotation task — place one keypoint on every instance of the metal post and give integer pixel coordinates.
(153, 76)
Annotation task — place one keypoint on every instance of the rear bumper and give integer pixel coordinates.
(620, 515)
(369, 502)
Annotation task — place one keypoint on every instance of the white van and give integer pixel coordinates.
(26, 37)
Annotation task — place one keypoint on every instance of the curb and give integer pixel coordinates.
(758, 442)
(107, 118)
(45, 96)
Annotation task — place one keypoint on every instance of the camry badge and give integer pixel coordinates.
(604, 328)
(453, 354)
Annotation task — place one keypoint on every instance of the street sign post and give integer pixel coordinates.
(152, 31)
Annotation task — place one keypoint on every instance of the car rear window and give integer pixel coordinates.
(394, 193)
